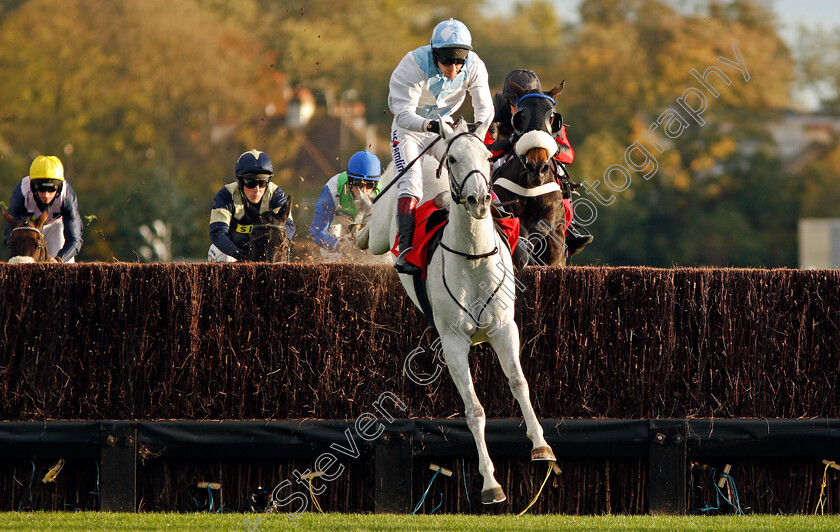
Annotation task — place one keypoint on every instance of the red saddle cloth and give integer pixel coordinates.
(429, 220)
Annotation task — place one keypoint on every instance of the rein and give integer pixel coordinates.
(455, 299)
(403, 171)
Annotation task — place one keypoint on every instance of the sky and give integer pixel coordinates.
(792, 15)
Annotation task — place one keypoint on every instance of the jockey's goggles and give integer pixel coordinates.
(251, 183)
(450, 56)
(449, 61)
(47, 186)
(369, 184)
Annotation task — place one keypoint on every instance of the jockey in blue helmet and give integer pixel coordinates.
(431, 83)
(237, 206)
(341, 194)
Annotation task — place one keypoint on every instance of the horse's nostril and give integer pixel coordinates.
(471, 200)
(488, 198)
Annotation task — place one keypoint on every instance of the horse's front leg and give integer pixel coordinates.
(505, 342)
(456, 352)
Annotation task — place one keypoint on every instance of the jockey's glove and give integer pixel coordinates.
(434, 126)
(242, 254)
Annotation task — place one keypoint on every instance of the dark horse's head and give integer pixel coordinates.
(269, 242)
(527, 182)
(536, 125)
(27, 242)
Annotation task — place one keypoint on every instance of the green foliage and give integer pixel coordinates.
(339, 45)
(127, 91)
(703, 205)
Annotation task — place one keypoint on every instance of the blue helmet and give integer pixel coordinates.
(364, 165)
(451, 34)
(254, 162)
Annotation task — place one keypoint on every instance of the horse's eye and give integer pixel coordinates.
(451, 160)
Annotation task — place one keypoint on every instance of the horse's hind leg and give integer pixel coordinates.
(505, 342)
(456, 352)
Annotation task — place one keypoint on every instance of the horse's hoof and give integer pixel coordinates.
(492, 496)
(542, 453)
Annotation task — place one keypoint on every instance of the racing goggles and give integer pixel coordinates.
(450, 56)
(44, 187)
(368, 184)
(248, 182)
(449, 61)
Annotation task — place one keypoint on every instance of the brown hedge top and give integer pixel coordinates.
(289, 341)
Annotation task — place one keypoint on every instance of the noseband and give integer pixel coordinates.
(455, 189)
(42, 242)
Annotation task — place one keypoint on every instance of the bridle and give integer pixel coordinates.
(265, 235)
(42, 242)
(526, 113)
(458, 200)
(455, 189)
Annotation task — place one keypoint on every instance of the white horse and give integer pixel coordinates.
(470, 285)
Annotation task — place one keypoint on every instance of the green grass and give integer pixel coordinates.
(437, 523)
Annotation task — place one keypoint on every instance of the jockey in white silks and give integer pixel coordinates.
(45, 189)
(431, 82)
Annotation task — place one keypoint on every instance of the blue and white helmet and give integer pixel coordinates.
(451, 34)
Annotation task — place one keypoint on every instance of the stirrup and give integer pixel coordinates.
(575, 244)
(406, 267)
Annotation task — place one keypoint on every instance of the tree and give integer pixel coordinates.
(703, 204)
(129, 95)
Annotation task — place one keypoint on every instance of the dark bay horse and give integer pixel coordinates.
(27, 242)
(526, 182)
(269, 241)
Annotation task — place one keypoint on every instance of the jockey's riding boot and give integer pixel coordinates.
(405, 225)
(522, 253)
(576, 241)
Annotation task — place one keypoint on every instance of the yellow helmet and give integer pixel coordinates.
(46, 167)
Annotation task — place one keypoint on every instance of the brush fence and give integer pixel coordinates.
(148, 342)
